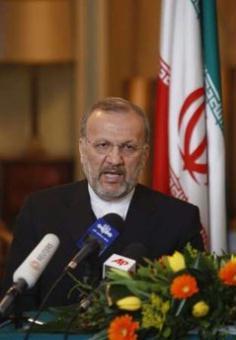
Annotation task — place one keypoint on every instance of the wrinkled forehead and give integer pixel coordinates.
(126, 125)
(120, 119)
(114, 112)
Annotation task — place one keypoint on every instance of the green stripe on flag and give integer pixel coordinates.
(211, 58)
(210, 40)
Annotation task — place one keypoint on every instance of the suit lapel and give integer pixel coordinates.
(78, 214)
(136, 224)
(140, 211)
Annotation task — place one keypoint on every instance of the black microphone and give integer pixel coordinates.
(27, 274)
(102, 233)
(136, 251)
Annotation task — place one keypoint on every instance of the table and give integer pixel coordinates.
(8, 332)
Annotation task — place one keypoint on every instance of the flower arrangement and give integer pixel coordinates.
(164, 299)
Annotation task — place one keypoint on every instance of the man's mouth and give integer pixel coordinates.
(112, 175)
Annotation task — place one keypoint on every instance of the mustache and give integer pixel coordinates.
(117, 170)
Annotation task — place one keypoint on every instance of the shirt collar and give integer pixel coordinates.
(101, 207)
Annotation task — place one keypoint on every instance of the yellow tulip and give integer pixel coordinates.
(129, 303)
(200, 309)
(233, 258)
(176, 261)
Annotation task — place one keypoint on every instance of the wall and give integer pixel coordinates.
(133, 41)
(55, 95)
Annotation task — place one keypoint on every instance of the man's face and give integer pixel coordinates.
(113, 153)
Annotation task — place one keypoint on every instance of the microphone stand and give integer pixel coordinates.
(13, 294)
(17, 318)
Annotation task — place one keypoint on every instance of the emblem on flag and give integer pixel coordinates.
(193, 151)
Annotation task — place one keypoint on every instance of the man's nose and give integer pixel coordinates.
(115, 155)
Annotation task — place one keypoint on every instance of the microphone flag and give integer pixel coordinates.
(119, 262)
(104, 230)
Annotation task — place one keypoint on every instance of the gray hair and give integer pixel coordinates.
(115, 104)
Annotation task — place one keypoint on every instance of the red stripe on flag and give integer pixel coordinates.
(160, 144)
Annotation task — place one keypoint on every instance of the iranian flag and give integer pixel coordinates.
(189, 158)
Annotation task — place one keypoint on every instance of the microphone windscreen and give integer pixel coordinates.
(37, 260)
(115, 220)
(104, 231)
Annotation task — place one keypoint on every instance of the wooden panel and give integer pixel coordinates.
(19, 178)
(122, 43)
(147, 27)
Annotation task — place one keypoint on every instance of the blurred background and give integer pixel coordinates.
(57, 57)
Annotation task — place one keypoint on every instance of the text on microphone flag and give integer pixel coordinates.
(120, 262)
(36, 263)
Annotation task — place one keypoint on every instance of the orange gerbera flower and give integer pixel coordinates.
(228, 273)
(184, 286)
(123, 328)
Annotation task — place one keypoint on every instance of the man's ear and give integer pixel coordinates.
(146, 153)
(81, 148)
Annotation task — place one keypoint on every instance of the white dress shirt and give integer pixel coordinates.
(101, 207)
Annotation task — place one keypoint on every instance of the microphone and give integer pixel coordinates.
(136, 251)
(97, 238)
(28, 273)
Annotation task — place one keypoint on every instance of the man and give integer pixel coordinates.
(114, 147)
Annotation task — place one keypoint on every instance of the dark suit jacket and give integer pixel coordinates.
(161, 223)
